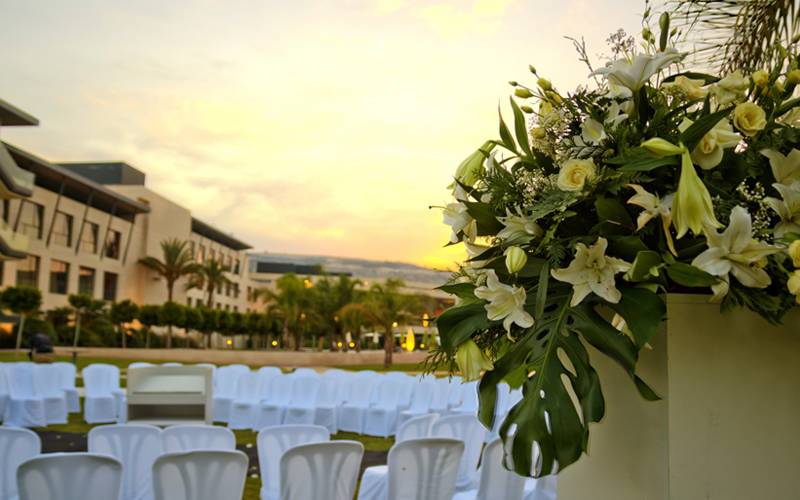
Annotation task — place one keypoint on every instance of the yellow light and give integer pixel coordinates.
(229, 342)
(352, 344)
(410, 340)
(308, 283)
(422, 346)
(425, 319)
(394, 325)
(338, 344)
(274, 343)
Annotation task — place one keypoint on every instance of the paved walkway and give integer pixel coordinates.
(286, 359)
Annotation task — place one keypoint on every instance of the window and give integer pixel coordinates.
(62, 229)
(227, 289)
(198, 302)
(229, 262)
(6, 210)
(236, 265)
(110, 286)
(236, 309)
(59, 276)
(28, 271)
(113, 241)
(89, 237)
(211, 255)
(30, 219)
(227, 307)
(219, 306)
(236, 290)
(201, 253)
(86, 281)
(249, 294)
(188, 302)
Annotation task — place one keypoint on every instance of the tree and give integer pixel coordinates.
(171, 314)
(331, 296)
(24, 301)
(177, 263)
(224, 322)
(121, 313)
(293, 303)
(210, 276)
(386, 306)
(81, 304)
(149, 317)
(210, 323)
(193, 319)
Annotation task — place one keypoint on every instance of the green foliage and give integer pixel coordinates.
(172, 314)
(123, 312)
(22, 299)
(176, 262)
(150, 315)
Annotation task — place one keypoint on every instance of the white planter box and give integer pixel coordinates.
(728, 427)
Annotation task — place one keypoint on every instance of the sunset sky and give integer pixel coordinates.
(315, 127)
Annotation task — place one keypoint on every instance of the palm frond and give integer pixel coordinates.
(730, 35)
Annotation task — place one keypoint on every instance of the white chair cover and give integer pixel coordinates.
(270, 410)
(326, 404)
(207, 365)
(16, 446)
(172, 363)
(419, 468)
(305, 372)
(456, 390)
(544, 488)
(3, 388)
(24, 408)
(442, 387)
(139, 364)
(320, 471)
(351, 414)
(67, 373)
(381, 418)
(101, 403)
(269, 372)
(243, 408)
(469, 400)
(200, 475)
(343, 378)
(420, 401)
(405, 391)
(495, 480)
(136, 447)
(47, 383)
(415, 428)
(301, 409)
(467, 429)
(500, 410)
(182, 438)
(225, 380)
(70, 476)
(272, 442)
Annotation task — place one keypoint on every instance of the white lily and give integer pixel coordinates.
(785, 169)
(734, 252)
(456, 216)
(653, 207)
(473, 250)
(617, 113)
(592, 132)
(788, 208)
(708, 152)
(506, 302)
(518, 228)
(592, 271)
(634, 73)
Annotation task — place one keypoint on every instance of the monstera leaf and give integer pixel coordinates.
(562, 392)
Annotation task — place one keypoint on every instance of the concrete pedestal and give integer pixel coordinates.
(728, 427)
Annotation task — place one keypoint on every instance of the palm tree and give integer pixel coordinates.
(738, 34)
(178, 262)
(209, 276)
(384, 307)
(293, 303)
(330, 298)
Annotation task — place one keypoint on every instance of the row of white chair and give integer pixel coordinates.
(35, 395)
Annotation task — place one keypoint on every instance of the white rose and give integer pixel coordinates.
(574, 174)
(731, 88)
(749, 118)
(708, 152)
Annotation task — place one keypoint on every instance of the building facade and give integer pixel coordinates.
(83, 227)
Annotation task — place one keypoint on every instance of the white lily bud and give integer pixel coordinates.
(661, 147)
(516, 258)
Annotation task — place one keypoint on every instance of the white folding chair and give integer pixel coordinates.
(272, 442)
(320, 470)
(47, 384)
(4, 395)
(16, 446)
(305, 372)
(182, 438)
(495, 480)
(104, 400)
(467, 429)
(243, 408)
(326, 404)
(469, 400)
(136, 447)
(351, 414)
(200, 475)
(225, 379)
(70, 476)
(25, 408)
(441, 389)
(269, 372)
(270, 410)
(67, 373)
(415, 428)
(456, 391)
(302, 405)
(140, 364)
(420, 401)
(380, 419)
(416, 469)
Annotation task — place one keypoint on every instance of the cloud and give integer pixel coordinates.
(451, 18)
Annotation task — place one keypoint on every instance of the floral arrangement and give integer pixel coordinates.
(594, 203)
